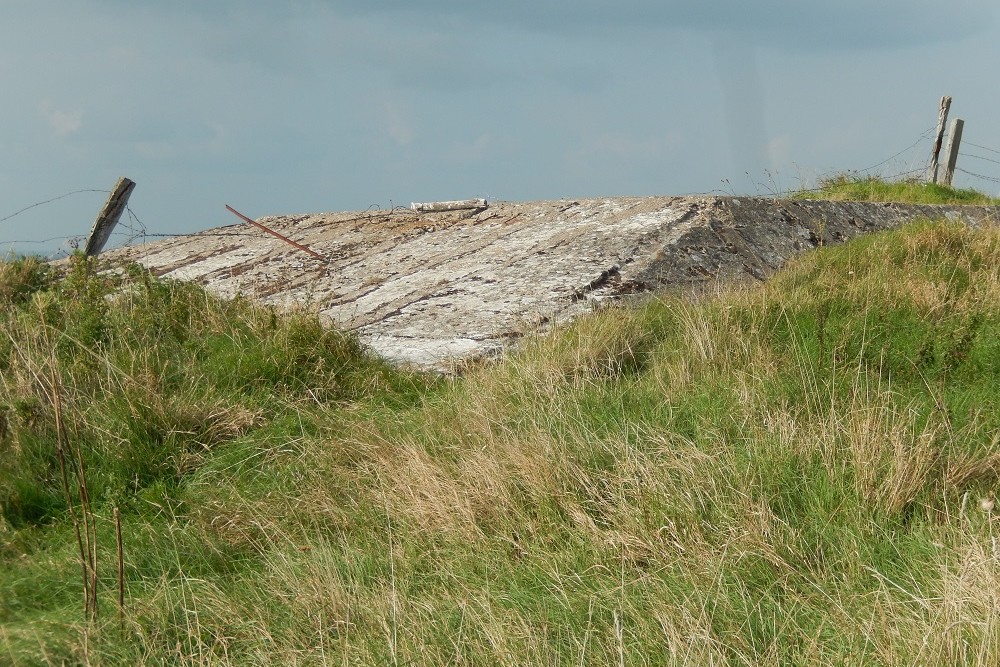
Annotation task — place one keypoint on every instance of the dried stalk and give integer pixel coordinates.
(86, 539)
(90, 527)
(121, 567)
(61, 455)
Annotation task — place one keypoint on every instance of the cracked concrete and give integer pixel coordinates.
(434, 289)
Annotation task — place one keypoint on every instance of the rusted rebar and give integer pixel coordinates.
(274, 233)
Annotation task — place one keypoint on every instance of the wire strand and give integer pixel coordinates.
(980, 157)
(985, 178)
(985, 148)
(48, 201)
(923, 137)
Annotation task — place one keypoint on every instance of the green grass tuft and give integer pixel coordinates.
(848, 187)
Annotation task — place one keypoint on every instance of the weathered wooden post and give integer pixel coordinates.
(108, 217)
(951, 150)
(932, 170)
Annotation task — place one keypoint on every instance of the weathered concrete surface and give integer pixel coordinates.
(433, 289)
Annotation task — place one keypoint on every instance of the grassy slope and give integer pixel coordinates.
(787, 474)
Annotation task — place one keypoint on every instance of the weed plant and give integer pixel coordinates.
(799, 472)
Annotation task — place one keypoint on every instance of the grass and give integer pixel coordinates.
(800, 472)
(841, 187)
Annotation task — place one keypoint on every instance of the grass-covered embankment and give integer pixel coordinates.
(801, 472)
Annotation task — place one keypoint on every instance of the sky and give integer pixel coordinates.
(300, 106)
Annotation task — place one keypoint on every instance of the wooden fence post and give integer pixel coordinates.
(932, 170)
(951, 151)
(108, 217)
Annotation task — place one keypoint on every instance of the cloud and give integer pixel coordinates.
(347, 42)
(797, 24)
(62, 123)
(280, 38)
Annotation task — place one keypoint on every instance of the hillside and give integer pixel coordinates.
(796, 471)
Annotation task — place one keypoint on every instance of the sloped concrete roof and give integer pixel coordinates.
(432, 289)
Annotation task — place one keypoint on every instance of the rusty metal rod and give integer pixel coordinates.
(274, 233)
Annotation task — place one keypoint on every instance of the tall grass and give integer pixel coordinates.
(801, 472)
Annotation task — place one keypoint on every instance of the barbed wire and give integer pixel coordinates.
(985, 178)
(911, 173)
(985, 148)
(41, 241)
(49, 201)
(980, 157)
(136, 230)
(923, 137)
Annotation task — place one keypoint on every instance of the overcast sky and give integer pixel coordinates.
(328, 105)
